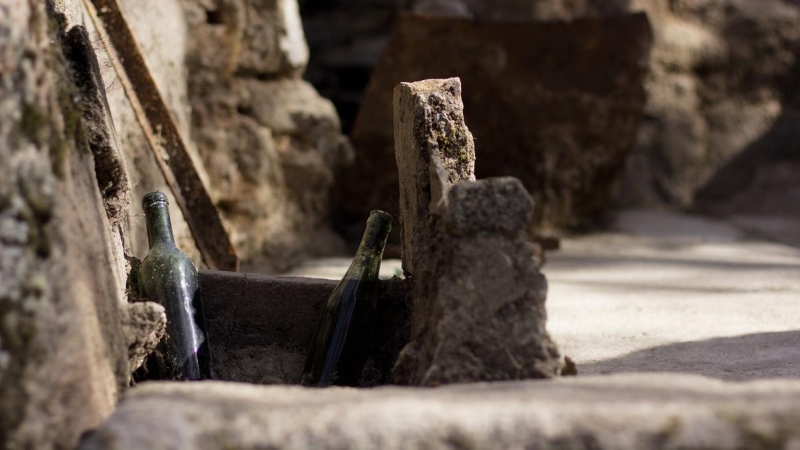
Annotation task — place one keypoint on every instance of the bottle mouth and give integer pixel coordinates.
(380, 218)
(153, 199)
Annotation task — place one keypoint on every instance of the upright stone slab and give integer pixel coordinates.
(434, 150)
(478, 311)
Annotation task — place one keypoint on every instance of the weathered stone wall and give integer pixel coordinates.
(269, 142)
(556, 105)
(720, 77)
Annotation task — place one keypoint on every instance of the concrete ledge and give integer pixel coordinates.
(641, 412)
(251, 309)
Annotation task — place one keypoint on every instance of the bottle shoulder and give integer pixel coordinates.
(165, 259)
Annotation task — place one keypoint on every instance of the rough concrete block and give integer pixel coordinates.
(478, 308)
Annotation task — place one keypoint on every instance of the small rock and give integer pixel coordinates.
(143, 325)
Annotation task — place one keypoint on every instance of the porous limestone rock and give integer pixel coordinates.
(478, 297)
(63, 353)
(434, 150)
(269, 142)
(619, 412)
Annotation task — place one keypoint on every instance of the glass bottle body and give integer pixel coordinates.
(168, 276)
(338, 353)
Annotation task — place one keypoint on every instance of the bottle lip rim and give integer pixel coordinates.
(154, 198)
(377, 213)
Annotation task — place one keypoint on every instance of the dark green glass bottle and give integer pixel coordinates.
(339, 350)
(168, 276)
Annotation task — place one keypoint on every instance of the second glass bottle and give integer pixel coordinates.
(338, 352)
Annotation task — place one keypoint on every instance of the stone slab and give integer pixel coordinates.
(656, 411)
(434, 150)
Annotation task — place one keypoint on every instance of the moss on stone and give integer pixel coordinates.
(672, 428)
(73, 134)
(778, 436)
(32, 124)
(132, 290)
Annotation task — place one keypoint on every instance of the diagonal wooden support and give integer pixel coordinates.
(162, 135)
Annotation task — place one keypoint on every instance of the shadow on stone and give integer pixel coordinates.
(746, 357)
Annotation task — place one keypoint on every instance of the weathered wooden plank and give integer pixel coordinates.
(163, 136)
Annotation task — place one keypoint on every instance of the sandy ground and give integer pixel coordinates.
(667, 293)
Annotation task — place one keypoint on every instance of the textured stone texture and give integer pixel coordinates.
(261, 326)
(621, 412)
(720, 84)
(493, 206)
(153, 22)
(555, 104)
(762, 179)
(64, 357)
(110, 170)
(434, 150)
(269, 142)
(68, 340)
(478, 297)
(143, 325)
(484, 318)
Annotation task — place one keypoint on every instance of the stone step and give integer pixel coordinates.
(641, 412)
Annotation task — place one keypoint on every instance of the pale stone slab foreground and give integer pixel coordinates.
(618, 412)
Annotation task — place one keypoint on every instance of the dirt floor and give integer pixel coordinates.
(667, 293)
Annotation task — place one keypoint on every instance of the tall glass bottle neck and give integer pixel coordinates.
(159, 227)
(374, 240)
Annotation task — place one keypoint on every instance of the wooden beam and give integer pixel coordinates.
(162, 135)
